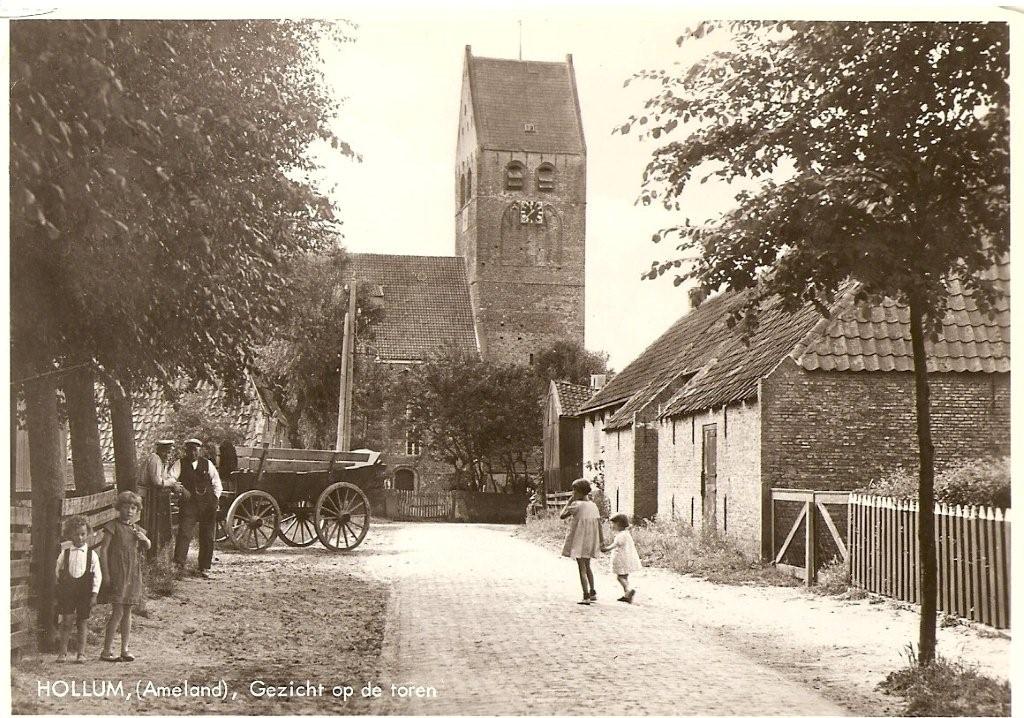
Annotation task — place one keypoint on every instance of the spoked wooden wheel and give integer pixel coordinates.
(342, 516)
(221, 534)
(297, 526)
(252, 521)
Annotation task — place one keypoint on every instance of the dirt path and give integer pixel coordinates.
(285, 615)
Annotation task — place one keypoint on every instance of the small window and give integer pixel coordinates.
(462, 190)
(469, 185)
(529, 127)
(546, 178)
(514, 176)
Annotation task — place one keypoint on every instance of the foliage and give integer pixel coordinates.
(897, 135)
(967, 483)
(833, 578)
(880, 152)
(567, 361)
(479, 417)
(153, 189)
(302, 363)
(674, 545)
(946, 688)
(193, 418)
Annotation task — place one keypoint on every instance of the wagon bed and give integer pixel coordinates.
(299, 495)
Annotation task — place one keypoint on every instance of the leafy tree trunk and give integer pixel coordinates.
(86, 457)
(926, 488)
(46, 464)
(122, 425)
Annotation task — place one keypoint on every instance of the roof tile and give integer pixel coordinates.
(426, 304)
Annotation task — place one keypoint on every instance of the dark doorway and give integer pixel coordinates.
(709, 477)
(405, 479)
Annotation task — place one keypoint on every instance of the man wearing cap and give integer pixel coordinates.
(200, 489)
(156, 486)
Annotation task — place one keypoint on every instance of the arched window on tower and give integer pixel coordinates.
(514, 176)
(469, 184)
(462, 189)
(546, 177)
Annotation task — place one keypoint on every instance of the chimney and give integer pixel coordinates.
(597, 381)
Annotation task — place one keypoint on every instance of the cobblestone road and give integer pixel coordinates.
(491, 623)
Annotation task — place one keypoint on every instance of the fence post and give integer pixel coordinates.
(809, 557)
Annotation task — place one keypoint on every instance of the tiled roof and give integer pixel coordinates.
(151, 409)
(678, 351)
(732, 367)
(878, 338)
(572, 396)
(856, 338)
(509, 94)
(426, 304)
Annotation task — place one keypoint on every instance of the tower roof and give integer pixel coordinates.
(509, 96)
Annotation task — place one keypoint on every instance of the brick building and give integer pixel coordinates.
(516, 282)
(804, 402)
(520, 185)
(425, 304)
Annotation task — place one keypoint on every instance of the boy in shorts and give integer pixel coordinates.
(78, 583)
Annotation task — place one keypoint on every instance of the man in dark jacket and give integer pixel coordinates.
(200, 488)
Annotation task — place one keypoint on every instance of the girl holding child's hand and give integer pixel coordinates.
(585, 537)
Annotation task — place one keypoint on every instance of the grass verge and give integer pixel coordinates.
(677, 547)
(946, 688)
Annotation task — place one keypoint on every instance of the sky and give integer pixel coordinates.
(401, 79)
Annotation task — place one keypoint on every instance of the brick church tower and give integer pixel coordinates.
(520, 190)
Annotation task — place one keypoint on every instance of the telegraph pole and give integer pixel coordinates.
(348, 345)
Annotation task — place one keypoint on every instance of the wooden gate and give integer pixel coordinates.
(808, 530)
(418, 505)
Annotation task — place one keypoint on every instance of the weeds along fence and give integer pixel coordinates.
(972, 547)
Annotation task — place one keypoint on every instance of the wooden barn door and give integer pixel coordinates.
(709, 477)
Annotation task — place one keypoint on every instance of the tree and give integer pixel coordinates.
(301, 364)
(479, 417)
(156, 190)
(567, 361)
(192, 419)
(881, 153)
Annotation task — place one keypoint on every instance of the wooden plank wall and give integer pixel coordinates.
(418, 505)
(97, 510)
(558, 500)
(972, 548)
(22, 633)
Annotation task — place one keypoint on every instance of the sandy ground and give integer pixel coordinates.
(844, 648)
(288, 614)
(312, 615)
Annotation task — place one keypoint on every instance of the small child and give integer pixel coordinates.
(78, 581)
(625, 560)
(584, 539)
(123, 543)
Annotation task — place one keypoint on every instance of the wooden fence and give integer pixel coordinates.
(97, 510)
(808, 530)
(972, 550)
(457, 505)
(418, 505)
(558, 500)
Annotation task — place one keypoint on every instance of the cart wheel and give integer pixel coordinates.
(252, 521)
(297, 527)
(222, 530)
(342, 516)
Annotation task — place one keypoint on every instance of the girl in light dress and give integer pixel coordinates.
(624, 559)
(123, 544)
(585, 537)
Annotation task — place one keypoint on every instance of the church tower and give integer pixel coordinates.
(520, 190)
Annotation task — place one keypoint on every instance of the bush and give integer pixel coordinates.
(944, 688)
(677, 547)
(980, 483)
(833, 579)
(159, 575)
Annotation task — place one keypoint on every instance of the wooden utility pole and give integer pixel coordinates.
(348, 346)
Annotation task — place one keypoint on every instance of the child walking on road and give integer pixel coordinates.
(584, 539)
(625, 560)
(78, 581)
(123, 544)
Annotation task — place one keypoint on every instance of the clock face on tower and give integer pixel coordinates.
(531, 213)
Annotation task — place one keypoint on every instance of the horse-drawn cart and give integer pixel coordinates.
(301, 495)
